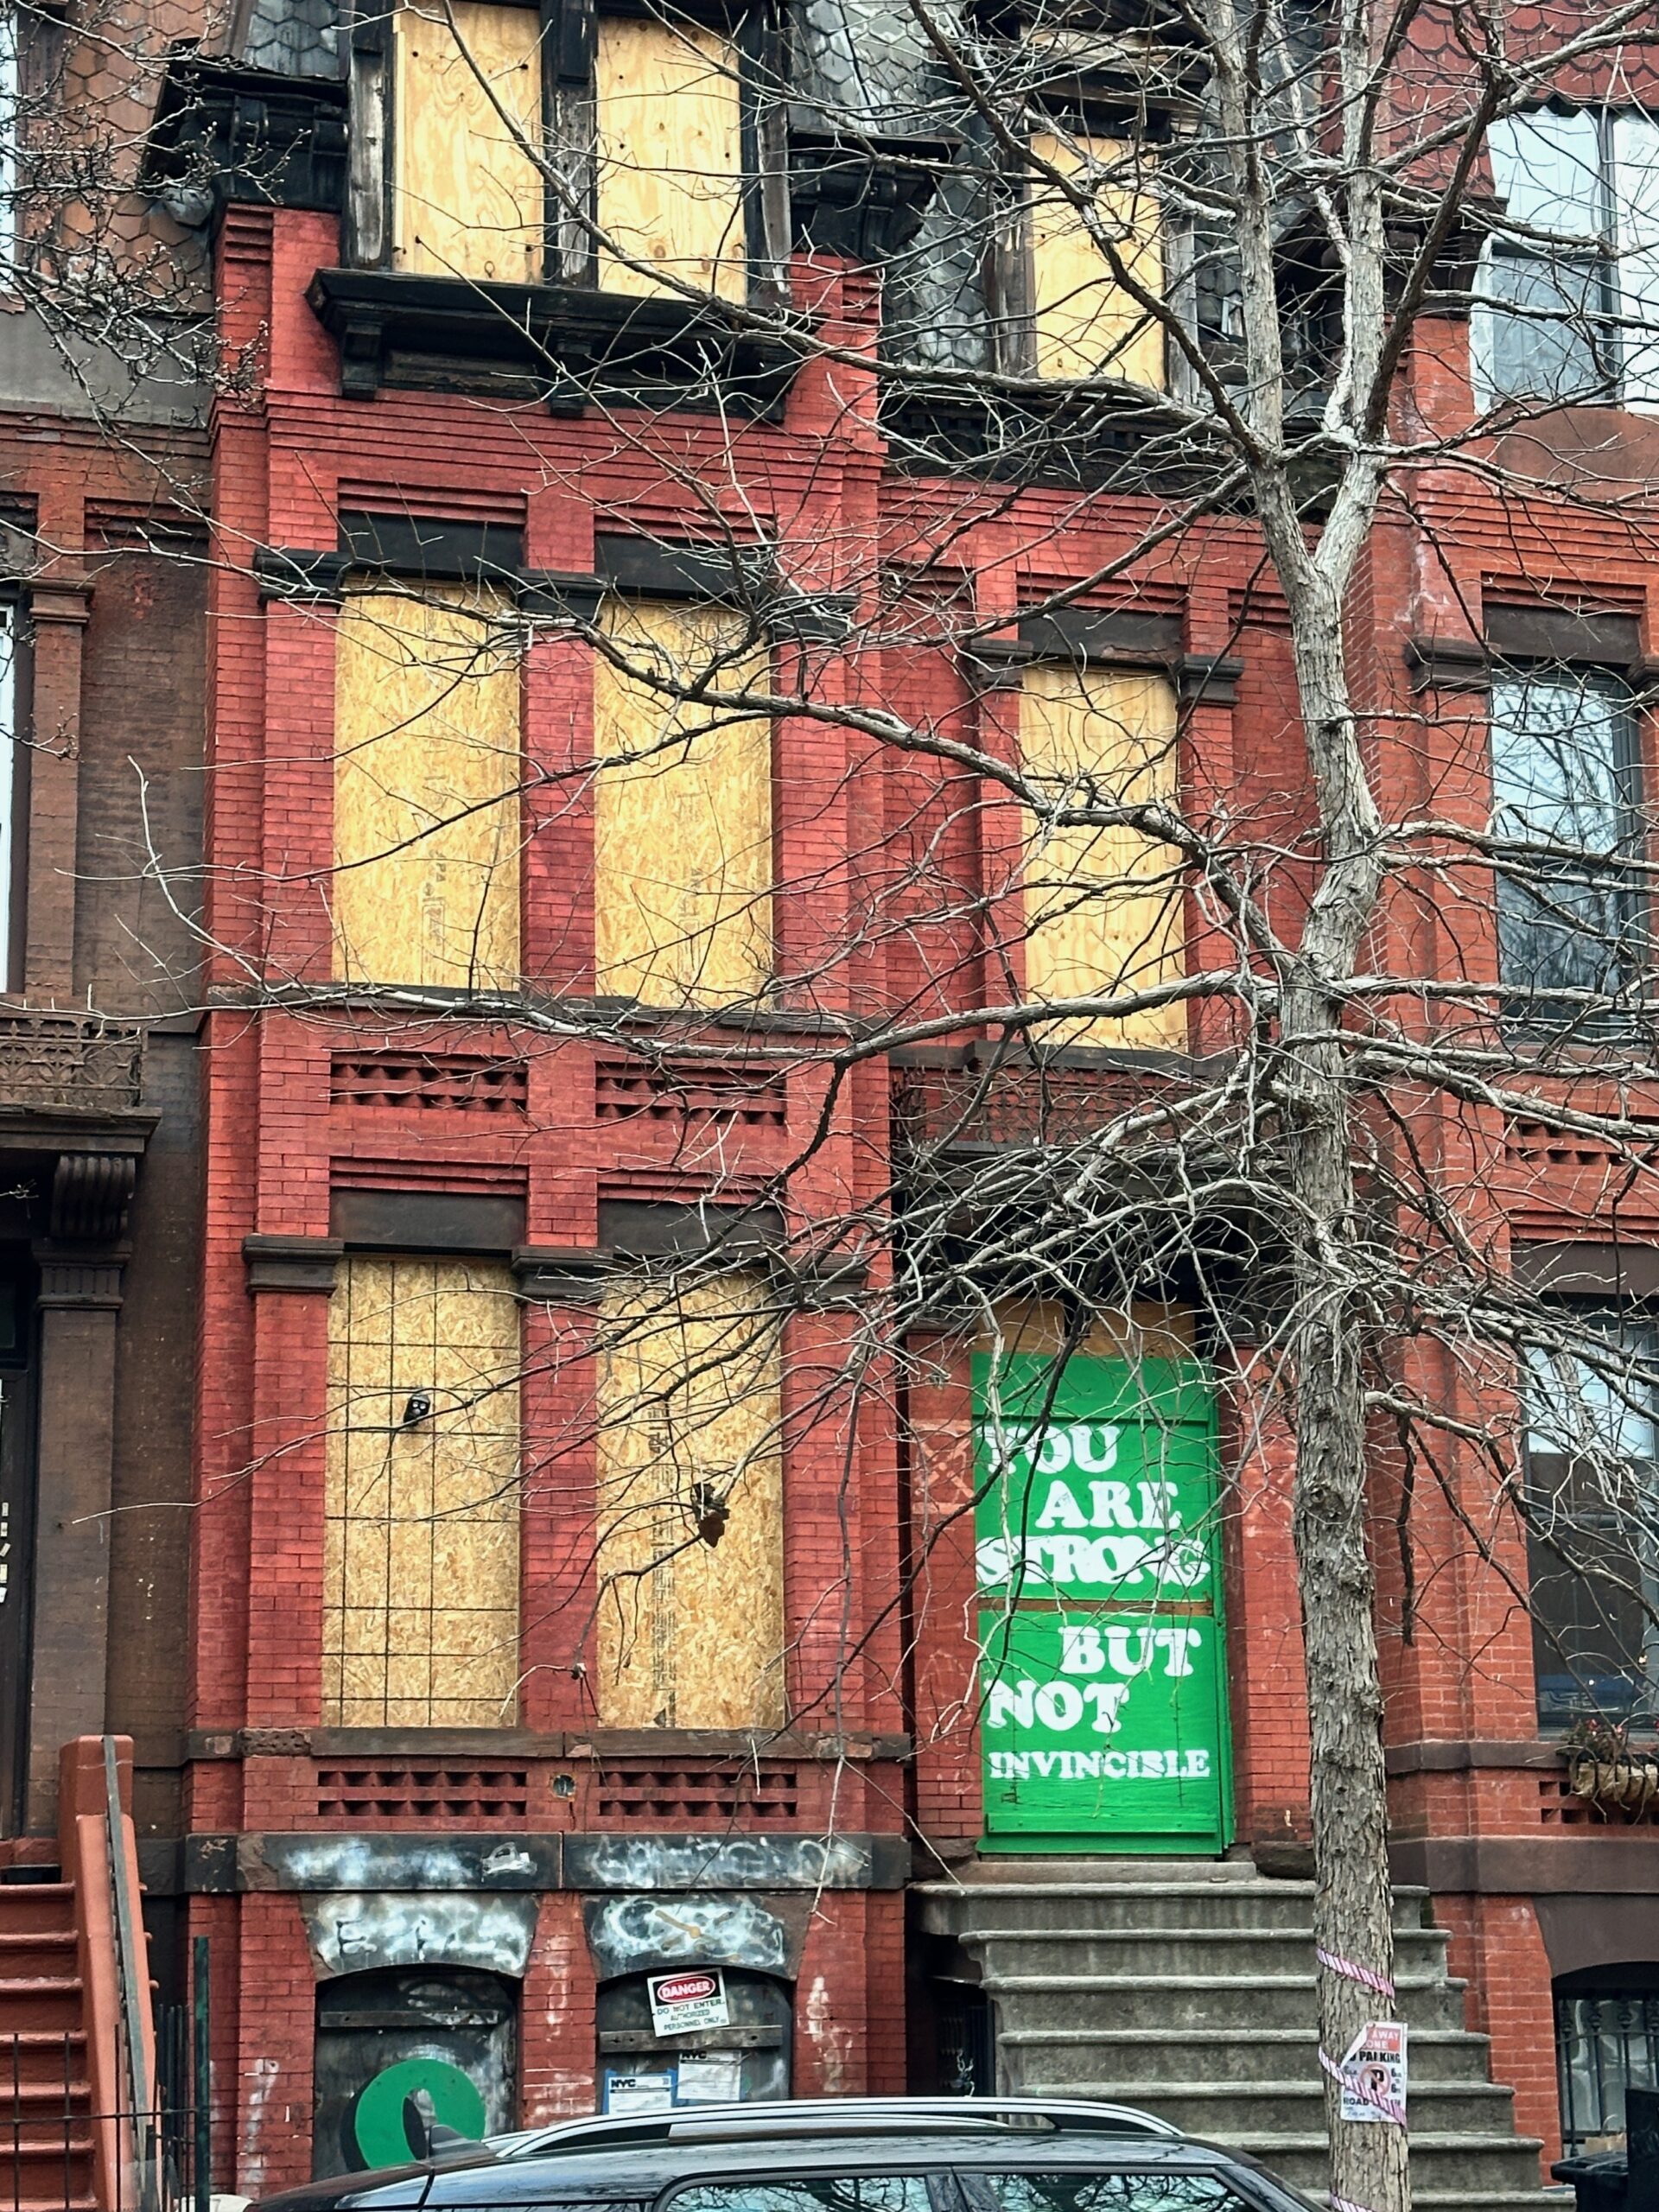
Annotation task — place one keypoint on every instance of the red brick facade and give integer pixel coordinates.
(282, 1136)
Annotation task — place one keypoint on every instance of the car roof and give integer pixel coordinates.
(641, 2171)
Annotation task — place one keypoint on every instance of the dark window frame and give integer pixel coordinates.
(1616, 878)
(1561, 1633)
(1596, 263)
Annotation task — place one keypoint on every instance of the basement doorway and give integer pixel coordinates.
(641, 2069)
(443, 2039)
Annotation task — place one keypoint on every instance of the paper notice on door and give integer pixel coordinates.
(633, 2093)
(714, 2077)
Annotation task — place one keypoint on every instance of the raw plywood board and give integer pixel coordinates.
(1147, 1331)
(670, 157)
(682, 852)
(1102, 906)
(426, 773)
(690, 1634)
(1087, 325)
(468, 196)
(421, 1524)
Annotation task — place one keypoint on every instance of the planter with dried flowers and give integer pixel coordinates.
(1605, 1769)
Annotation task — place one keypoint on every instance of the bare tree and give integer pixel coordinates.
(1162, 295)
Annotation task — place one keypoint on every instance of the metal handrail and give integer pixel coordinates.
(129, 1969)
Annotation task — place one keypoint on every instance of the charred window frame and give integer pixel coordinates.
(989, 294)
(1078, 116)
(1577, 319)
(1592, 1474)
(567, 42)
(1574, 926)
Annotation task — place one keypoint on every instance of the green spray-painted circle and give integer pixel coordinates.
(377, 2121)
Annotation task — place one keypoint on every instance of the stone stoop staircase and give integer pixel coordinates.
(1188, 1989)
(46, 2129)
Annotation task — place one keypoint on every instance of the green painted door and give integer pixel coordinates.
(1103, 1676)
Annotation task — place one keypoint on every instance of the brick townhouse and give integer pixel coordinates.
(496, 1046)
(103, 460)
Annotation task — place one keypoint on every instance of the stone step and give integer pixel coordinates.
(1214, 1951)
(30, 1952)
(949, 1907)
(1474, 2164)
(1191, 1991)
(1550, 2198)
(1244, 2002)
(1231, 2112)
(47, 1906)
(1063, 2058)
(47, 2004)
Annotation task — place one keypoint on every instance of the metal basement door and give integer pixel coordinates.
(1103, 1674)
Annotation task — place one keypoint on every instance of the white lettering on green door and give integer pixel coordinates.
(1102, 1706)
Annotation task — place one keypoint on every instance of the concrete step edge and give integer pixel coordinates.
(1146, 1932)
(1309, 2086)
(1138, 2036)
(1263, 2143)
(1450, 2199)
(1210, 1981)
(1150, 1885)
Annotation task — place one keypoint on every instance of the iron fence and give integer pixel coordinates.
(1606, 2041)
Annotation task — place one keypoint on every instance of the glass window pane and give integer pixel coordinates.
(838, 2193)
(1542, 333)
(1548, 168)
(1576, 1412)
(1557, 766)
(1087, 2192)
(1591, 1446)
(1567, 919)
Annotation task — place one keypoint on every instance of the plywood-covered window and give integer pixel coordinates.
(682, 817)
(1086, 324)
(420, 1617)
(1102, 906)
(427, 776)
(670, 188)
(467, 193)
(690, 1555)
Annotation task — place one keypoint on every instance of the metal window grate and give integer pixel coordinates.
(421, 1502)
(1605, 2043)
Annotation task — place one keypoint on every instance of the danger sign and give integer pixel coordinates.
(683, 2001)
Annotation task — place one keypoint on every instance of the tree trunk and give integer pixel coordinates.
(1353, 1903)
(1352, 1899)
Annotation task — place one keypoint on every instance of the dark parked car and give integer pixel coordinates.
(849, 2155)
